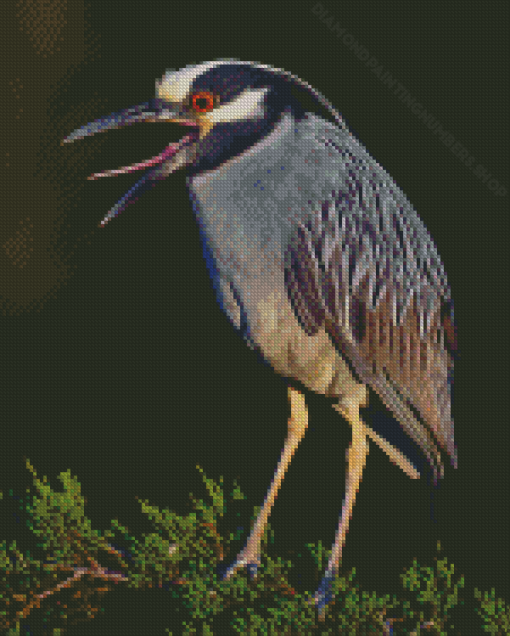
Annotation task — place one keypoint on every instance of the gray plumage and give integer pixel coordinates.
(308, 209)
(317, 257)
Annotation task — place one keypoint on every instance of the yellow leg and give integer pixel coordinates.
(396, 457)
(298, 423)
(356, 459)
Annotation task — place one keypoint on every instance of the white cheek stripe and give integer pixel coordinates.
(248, 105)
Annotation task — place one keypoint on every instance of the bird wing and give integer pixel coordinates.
(382, 297)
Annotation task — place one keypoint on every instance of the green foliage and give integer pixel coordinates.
(436, 589)
(495, 613)
(185, 550)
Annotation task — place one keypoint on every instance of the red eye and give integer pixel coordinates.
(203, 102)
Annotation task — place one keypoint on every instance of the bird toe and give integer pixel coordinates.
(226, 571)
(324, 594)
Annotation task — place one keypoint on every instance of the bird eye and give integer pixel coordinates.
(203, 102)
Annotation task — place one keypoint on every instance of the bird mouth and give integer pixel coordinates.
(171, 155)
(174, 156)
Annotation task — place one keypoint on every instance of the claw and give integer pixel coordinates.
(324, 594)
(243, 560)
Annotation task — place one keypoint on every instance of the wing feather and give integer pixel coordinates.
(398, 336)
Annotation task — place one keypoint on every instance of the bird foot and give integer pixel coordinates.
(324, 594)
(244, 559)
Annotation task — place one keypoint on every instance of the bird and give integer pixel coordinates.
(318, 260)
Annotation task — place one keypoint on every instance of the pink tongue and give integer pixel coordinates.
(168, 152)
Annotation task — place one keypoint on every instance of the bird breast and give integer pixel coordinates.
(311, 359)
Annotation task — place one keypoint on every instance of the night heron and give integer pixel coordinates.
(318, 260)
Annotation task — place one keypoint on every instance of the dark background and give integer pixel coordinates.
(117, 363)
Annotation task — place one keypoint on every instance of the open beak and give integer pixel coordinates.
(173, 157)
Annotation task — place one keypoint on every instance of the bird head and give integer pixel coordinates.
(228, 105)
